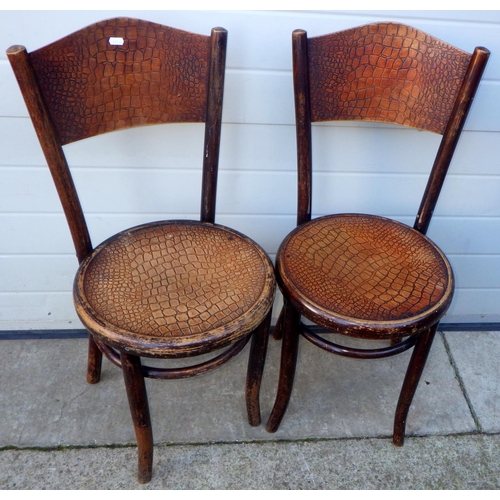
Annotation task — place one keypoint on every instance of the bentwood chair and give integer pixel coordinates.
(359, 275)
(166, 289)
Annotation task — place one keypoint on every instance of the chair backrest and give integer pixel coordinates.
(385, 72)
(117, 74)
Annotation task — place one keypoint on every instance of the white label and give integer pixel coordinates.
(115, 40)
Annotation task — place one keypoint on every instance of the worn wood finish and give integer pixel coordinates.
(94, 361)
(396, 347)
(174, 288)
(256, 361)
(167, 289)
(51, 146)
(412, 378)
(303, 125)
(363, 275)
(368, 275)
(213, 124)
(289, 354)
(277, 333)
(139, 409)
(450, 138)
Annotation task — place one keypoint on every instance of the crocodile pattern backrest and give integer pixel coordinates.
(385, 72)
(121, 73)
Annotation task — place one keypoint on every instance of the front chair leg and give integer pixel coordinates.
(94, 362)
(139, 409)
(256, 361)
(289, 351)
(412, 378)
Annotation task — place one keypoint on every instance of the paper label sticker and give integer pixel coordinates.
(116, 40)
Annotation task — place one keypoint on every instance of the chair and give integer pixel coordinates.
(166, 289)
(358, 275)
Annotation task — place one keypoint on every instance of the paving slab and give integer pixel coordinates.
(342, 397)
(45, 401)
(58, 432)
(476, 355)
(469, 462)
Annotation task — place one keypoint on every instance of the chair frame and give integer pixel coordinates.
(289, 326)
(134, 371)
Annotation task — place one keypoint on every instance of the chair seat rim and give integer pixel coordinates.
(175, 346)
(358, 327)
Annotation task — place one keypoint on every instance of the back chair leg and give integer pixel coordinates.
(289, 351)
(256, 362)
(278, 328)
(94, 362)
(412, 378)
(139, 409)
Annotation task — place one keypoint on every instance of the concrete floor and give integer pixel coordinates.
(58, 432)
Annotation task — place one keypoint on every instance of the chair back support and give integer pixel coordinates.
(117, 74)
(383, 72)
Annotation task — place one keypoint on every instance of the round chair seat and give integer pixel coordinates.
(364, 275)
(174, 288)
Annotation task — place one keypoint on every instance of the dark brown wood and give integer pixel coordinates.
(256, 362)
(198, 369)
(168, 289)
(450, 137)
(361, 275)
(289, 353)
(303, 125)
(94, 361)
(410, 384)
(139, 409)
(48, 137)
(178, 372)
(352, 352)
(56, 160)
(303, 128)
(277, 333)
(213, 124)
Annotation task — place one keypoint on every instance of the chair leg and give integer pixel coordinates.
(139, 409)
(94, 362)
(256, 361)
(289, 350)
(412, 378)
(278, 328)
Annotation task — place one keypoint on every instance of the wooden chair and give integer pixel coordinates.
(167, 289)
(360, 275)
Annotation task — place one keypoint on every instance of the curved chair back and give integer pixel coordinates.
(384, 72)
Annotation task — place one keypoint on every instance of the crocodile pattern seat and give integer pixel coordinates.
(354, 269)
(174, 284)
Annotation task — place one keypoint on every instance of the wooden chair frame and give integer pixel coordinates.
(54, 131)
(403, 336)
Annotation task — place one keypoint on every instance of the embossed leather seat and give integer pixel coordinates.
(167, 289)
(363, 275)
